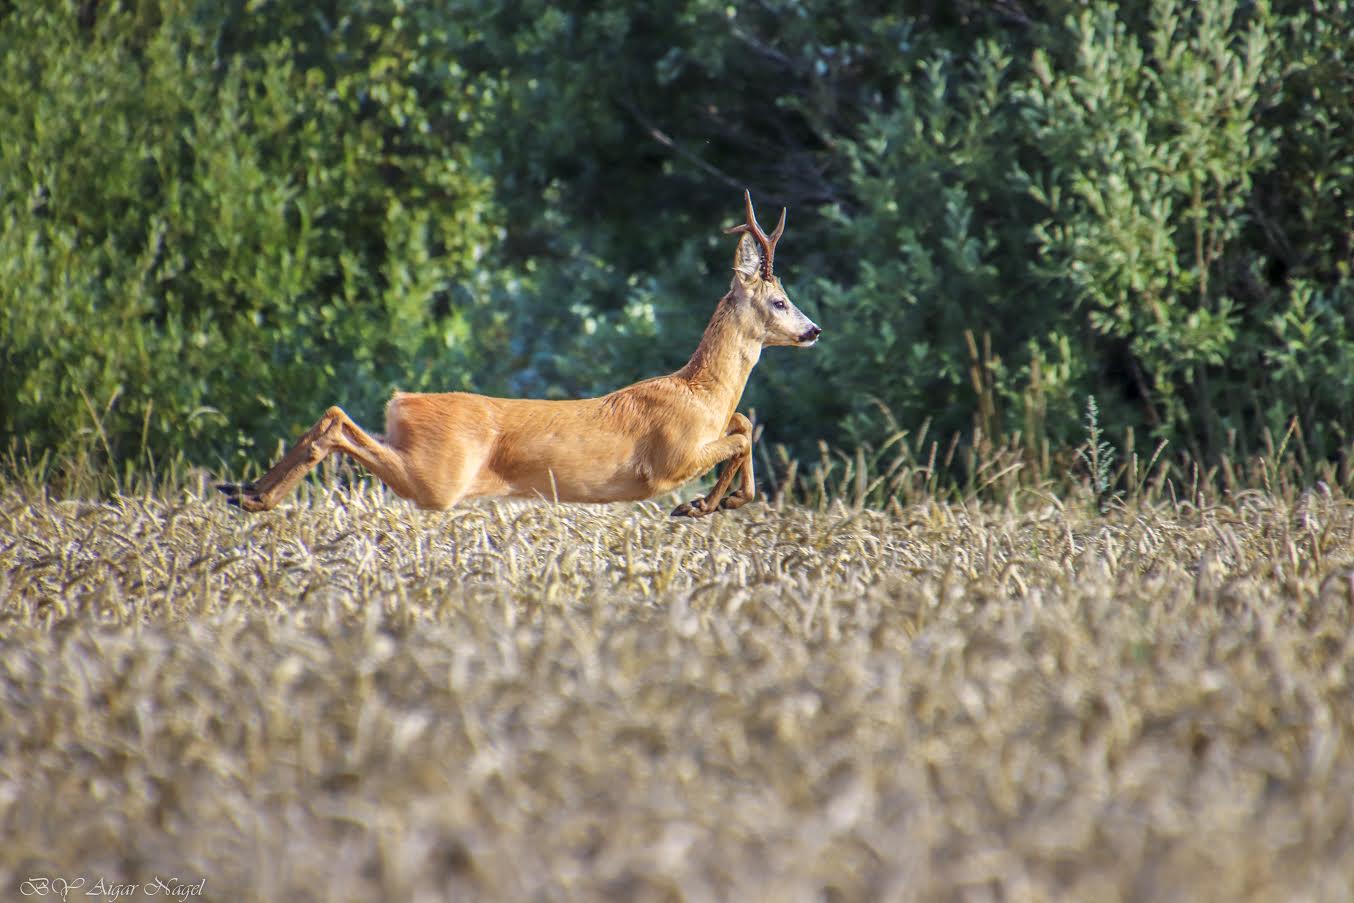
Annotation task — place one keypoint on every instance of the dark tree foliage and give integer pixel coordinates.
(216, 219)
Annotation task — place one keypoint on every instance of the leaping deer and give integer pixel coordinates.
(635, 443)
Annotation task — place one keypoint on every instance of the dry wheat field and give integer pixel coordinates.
(351, 700)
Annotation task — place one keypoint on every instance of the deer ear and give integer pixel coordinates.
(747, 259)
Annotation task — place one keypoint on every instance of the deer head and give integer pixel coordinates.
(756, 286)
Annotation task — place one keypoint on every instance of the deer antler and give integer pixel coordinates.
(768, 244)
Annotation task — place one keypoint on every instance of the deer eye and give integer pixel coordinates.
(778, 304)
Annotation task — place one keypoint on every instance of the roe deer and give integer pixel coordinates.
(636, 443)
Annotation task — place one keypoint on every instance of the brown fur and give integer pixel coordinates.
(638, 442)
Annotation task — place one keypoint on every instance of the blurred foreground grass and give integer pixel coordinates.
(349, 699)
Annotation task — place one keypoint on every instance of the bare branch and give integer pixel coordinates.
(664, 139)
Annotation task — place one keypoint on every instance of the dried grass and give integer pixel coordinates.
(352, 700)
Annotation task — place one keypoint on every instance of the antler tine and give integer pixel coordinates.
(780, 227)
(775, 237)
(752, 219)
(751, 224)
(768, 243)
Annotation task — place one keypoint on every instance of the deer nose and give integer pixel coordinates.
(811, 333)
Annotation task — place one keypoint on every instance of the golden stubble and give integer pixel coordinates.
(349, 699)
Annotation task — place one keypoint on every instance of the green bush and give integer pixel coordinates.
(1152, 145)
(217, 219)
(200, 247)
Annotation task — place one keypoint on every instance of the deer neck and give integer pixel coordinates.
(724, 359)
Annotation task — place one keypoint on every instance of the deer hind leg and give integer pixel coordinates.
(265, 492)
(735, 447)
(335, 431)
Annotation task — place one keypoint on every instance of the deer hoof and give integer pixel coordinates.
(693, 508)
(242, 496)
(733, 501)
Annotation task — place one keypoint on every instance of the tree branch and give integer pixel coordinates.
(664, 139)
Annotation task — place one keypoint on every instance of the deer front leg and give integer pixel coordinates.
(735, 448)
(747, 486)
